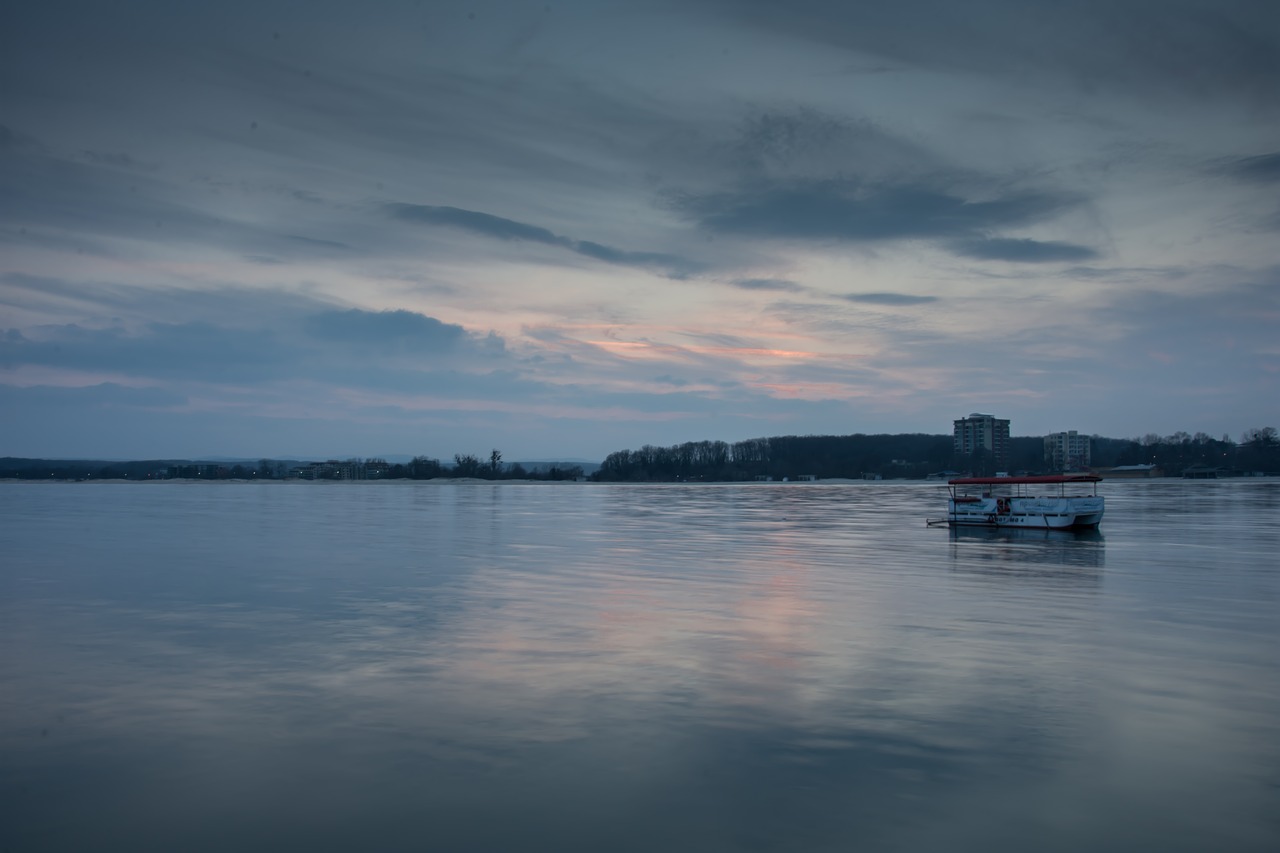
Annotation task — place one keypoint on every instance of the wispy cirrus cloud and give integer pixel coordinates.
(897, 299)
(1259, 169)
(398, 330)
(858, 211)
(500, 228)
(1022, 250)
(780, 285)
(1193, 50)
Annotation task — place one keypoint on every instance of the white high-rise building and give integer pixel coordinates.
(1067, 451)
(983, 433)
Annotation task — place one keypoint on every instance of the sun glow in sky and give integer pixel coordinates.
(563, 229)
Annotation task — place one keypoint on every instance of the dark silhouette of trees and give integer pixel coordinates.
(1260, 450)
(851, 456)
(1260, 437)
(555, 472)
(466, 465)
(1172, 454)
(909, 456)
(425, 468)
(915, 456)
(470, 465)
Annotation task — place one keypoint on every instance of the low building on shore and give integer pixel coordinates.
(1129, 472)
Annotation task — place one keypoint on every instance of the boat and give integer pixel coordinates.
(1048, 502)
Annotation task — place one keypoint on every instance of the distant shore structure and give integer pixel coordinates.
(1131, 472)
(1068, 451)
(981, 434)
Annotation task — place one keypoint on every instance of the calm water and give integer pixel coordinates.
(582, 667)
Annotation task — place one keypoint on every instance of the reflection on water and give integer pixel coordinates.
(767, 667)
(1070, 555)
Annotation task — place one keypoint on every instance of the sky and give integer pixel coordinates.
(322, 229)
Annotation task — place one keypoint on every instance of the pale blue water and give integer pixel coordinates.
(586, 667)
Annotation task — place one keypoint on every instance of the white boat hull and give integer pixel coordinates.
(1045, 513)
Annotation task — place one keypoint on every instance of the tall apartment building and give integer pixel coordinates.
(1067, 451)
(985, 433)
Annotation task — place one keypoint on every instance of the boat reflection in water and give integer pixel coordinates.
(1046, 554)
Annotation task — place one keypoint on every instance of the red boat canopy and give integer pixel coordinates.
(1014, 481)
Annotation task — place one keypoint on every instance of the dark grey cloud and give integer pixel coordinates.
(1022, 250)
(722, 340)
(674, 266)
(410, 87)
(769, 284)
(14, 142)
(362, 348)
(313, 243)
(785, 144)
(226, 304)
(855, 211)
(102, 395)
(1130, 275)
(405, 331)
(798, 141)
(97, 198)
(501, 228)
(55, 240)
(785, 137)
(195, 351)
(1192, 48)
(1262, 169)
(478, 223)
(888, 298)
(117, 159)
(46, 190)
(799, 173)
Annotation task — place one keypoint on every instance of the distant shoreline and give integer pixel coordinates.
(476, 481)
(473, 481)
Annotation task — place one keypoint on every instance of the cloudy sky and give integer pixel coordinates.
(559, 229)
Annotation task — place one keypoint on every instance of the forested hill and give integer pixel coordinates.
(915, 456)
(909, 455)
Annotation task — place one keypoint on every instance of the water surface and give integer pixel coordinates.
(400, 666)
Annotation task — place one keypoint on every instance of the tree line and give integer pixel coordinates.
(916, 456)
(887, 456)
(471, 466)
(782, 457)
(1257, 451)
(419, 468)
